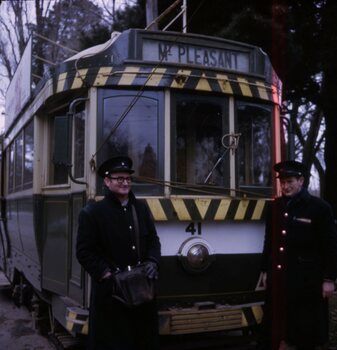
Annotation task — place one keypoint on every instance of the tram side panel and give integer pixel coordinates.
(24, 255)
(62, 273)
(55, 247)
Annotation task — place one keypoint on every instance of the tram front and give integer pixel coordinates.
(200, 119)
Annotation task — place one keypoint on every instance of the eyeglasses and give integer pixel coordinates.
(120, 179)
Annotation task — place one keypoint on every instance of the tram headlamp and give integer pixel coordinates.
(196, 254)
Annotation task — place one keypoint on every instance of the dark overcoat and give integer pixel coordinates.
(300, 251)
(106, 240)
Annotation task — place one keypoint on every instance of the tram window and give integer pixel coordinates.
(58, 172)
(11, 168)
(79, 120)
(29, 155)
(254, 150)
(60, 148)
(200, 157)
(18, 162)
(136, 136)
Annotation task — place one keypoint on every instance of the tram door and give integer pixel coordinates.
(61, 208)
(76, 277)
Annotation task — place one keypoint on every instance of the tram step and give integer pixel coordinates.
(65, 341)
(4, 283)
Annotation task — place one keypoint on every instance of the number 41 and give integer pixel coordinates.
(193, 228)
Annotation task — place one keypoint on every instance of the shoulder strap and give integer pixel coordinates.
(136, 224)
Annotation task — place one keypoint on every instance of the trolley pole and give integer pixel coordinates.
(151, 14)
(184, 8)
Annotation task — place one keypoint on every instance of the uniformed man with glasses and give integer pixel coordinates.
(106, 242)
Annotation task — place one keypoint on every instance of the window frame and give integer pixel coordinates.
(63, 112)
(138, 187)
(221, 100)
(16, 175)
(258, 189)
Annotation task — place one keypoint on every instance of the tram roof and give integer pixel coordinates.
(91, 51)
(178, 49)
(174, 59)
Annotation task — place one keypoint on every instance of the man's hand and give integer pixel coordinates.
(264, 279)
(108, 281)
(151, 270)
(328, 288)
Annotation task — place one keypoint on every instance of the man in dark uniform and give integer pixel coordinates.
(106, 242)
(299, 263)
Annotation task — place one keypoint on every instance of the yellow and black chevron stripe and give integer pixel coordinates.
(183, 321)
(192, 209)
(188, 321)
(192, 79)
(77, 320)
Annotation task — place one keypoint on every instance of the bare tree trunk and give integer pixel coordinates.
(19, 12)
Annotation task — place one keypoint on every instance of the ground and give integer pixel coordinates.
(16, 328)
(17, 331)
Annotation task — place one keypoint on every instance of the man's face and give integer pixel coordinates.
(119, 184)
(290, 186)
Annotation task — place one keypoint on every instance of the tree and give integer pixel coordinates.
(328, 58)
(132, 15)
(58, 31)
(66, 24)
(14, 33)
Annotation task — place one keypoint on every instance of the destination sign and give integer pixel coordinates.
(181, 53)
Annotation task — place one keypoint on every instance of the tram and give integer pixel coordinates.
(200, 117)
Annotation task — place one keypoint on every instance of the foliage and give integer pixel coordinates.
(132, 15)
(328, 58)
(74, 20)
(14, 33)
(57, 27)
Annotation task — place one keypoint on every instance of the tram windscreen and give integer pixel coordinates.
(136, 135)
(199, 153)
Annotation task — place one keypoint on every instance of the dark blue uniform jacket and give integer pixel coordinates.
(300, 251)
(106, 241)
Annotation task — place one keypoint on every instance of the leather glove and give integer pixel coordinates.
(108, 282)
(151, 270)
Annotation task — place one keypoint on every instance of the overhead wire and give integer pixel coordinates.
(199, 188)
